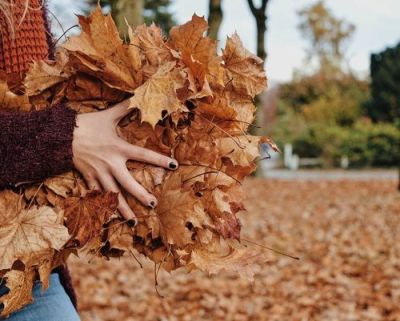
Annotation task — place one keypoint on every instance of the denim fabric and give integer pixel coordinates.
(51, 305)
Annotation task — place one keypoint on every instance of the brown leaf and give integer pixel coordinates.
(158, 94)
(199, 53)
(174, 209)
(45, 74)
(100, 52)
(151, 43)
(219, 108)
(241, 150)
(20, 284)
(244, 70)
(10, 101)
(62, 185)
(85, 216)
(218, 206)
(30, 232)
(10, 203)
(213, 260)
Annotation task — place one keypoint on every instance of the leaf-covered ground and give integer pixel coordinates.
(347, 234)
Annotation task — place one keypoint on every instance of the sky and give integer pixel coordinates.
(377, 27)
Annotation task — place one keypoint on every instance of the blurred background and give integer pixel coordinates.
(331, 196)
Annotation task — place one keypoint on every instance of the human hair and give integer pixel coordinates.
(7, 12)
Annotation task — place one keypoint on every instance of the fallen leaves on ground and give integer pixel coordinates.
(346, 233)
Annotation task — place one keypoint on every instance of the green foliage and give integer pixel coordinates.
(322, 117)
(365, 144)
(379, 144)
(319, 98)
(385, 88)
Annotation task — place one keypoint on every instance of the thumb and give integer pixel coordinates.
(120, 110)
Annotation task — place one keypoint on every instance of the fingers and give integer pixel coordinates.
(109, 184)
(126, 180)
(148, 156)
(93, 184)
(120, 110)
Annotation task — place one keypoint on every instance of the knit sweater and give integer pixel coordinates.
(36, 144)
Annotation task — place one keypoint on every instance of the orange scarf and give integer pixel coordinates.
(29, 43)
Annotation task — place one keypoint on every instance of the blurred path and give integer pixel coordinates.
(334, 174)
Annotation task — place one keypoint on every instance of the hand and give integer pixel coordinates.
(100, 155)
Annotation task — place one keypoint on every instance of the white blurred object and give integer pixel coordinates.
(344, 162)
(294, 162)
(287, 155)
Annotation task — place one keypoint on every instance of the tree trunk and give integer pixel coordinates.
(260, 15)
(131, 10)
(261, 21)
(215, 16)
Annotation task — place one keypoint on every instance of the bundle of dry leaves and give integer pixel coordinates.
(192, 104)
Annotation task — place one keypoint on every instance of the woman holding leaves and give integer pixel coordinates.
(38, 144)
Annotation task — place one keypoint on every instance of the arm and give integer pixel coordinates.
(35, 145)
(39, 144)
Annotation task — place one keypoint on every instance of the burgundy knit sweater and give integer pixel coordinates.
(37, 144)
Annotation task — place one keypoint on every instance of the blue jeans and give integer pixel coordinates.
(51, 305)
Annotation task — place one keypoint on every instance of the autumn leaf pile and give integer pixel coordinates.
(191, 104)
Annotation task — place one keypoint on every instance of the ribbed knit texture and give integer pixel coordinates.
(37, 144)
(28, 42)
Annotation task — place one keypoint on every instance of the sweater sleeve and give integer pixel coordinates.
(35, 145)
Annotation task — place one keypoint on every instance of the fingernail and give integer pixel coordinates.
(172, 165)
(152, 204)
(4, 290)
(132, 223)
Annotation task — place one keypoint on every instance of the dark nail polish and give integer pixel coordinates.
(132, 223)
(1, 307)
(172, 165)
(152, 204)
(4, 290)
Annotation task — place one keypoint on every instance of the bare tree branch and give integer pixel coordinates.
(252, 7)
(264, 5)
(258, 11)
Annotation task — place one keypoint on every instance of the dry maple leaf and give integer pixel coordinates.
(62, 185)
(218, 206)
(219, 108)
(119, 238)
(100, 52)
(199, 53)
(85, 216)
(158, 94)
(243, 68)
(20, 284)
(239, 260)
(174, 211)
(46, 74)
(241, 150)
(30, 232)
(11, 101)
(151, 43)
(10, 204)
